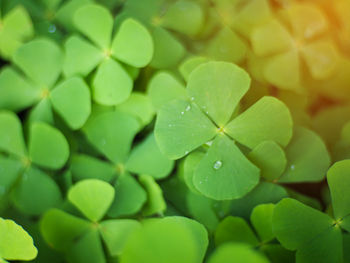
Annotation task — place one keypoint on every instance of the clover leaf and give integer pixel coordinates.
(73, 235)
(37, 88)
(24, 176)
(132, 44)
(15, 28)
(15, 242)
(215, 89)
(306, 230)
(188, 242)
(114, 142)
(236, 230)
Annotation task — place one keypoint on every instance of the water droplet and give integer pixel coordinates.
(200, 182)
(192, 98)
(187, 152)
(182, 112)
(207, 112)
(170, 125)
(217, 165)
(52, 28)
(292, 167)
(188, 108)
(209, 143)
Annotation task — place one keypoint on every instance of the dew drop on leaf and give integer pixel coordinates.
(52, 28)
(217, 165)
(292, 167)
(188, 108)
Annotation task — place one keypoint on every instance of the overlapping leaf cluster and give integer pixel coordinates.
(152, 131)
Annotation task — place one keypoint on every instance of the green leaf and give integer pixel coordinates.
(90, 242)
(276, 253)
(47, 146)
(261, 219)
(16, 94)
(60, 229)
(32, 187)
(185, 17)
(181, 127)
(191, 64)
(308, 157)
(71, 99)
(15, 242)
(18, 24)
(87, 167)
(146, 158)
(225, 173)
(115, 139)
(11, 135)
(10, 170)
(235, 229)
(92, 197)
(133, 44)
(217, 88)
(153, 244)
(267, 119)
(237, 253)
(312, 233)
(42, 112)
(338, 182)
(155, 201)
(112, 84)
(116, 233)
(46, 71)
(226, 46)
(129, 197)
(190, 165)
(270, 158)
(96, 23)
(140, 106)
(264, 193)
(163, 88)
(81, 57)
(163, 42)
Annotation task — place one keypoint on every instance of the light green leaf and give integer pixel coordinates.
(15, 242)
(146, 158)
(71, 99)
(129, 197)
(46, 71)
(11, 135)
(297, 225)
(163, 88)
(181, 127)
(116, 233)
(226, 46)
(42, 112)
(339, 181)
(217, 88)
(261, 219)
(96, 23)
(32, 187)
(92, 197)
(163, 42)
(18, 24)
(190, 165)
(140, 106)
(270, 158)
(191, 64)
(60, 229)
(155, 201)
(153, 244)
(237, 253)
(16, 94)
(235, 229)
(112, 84)
(87, 167)
(47, 146)
(308, 157)
(225, 173)
(133, 44)
(81, 57)
(115, 139)
(267, 119)
(184, 16)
